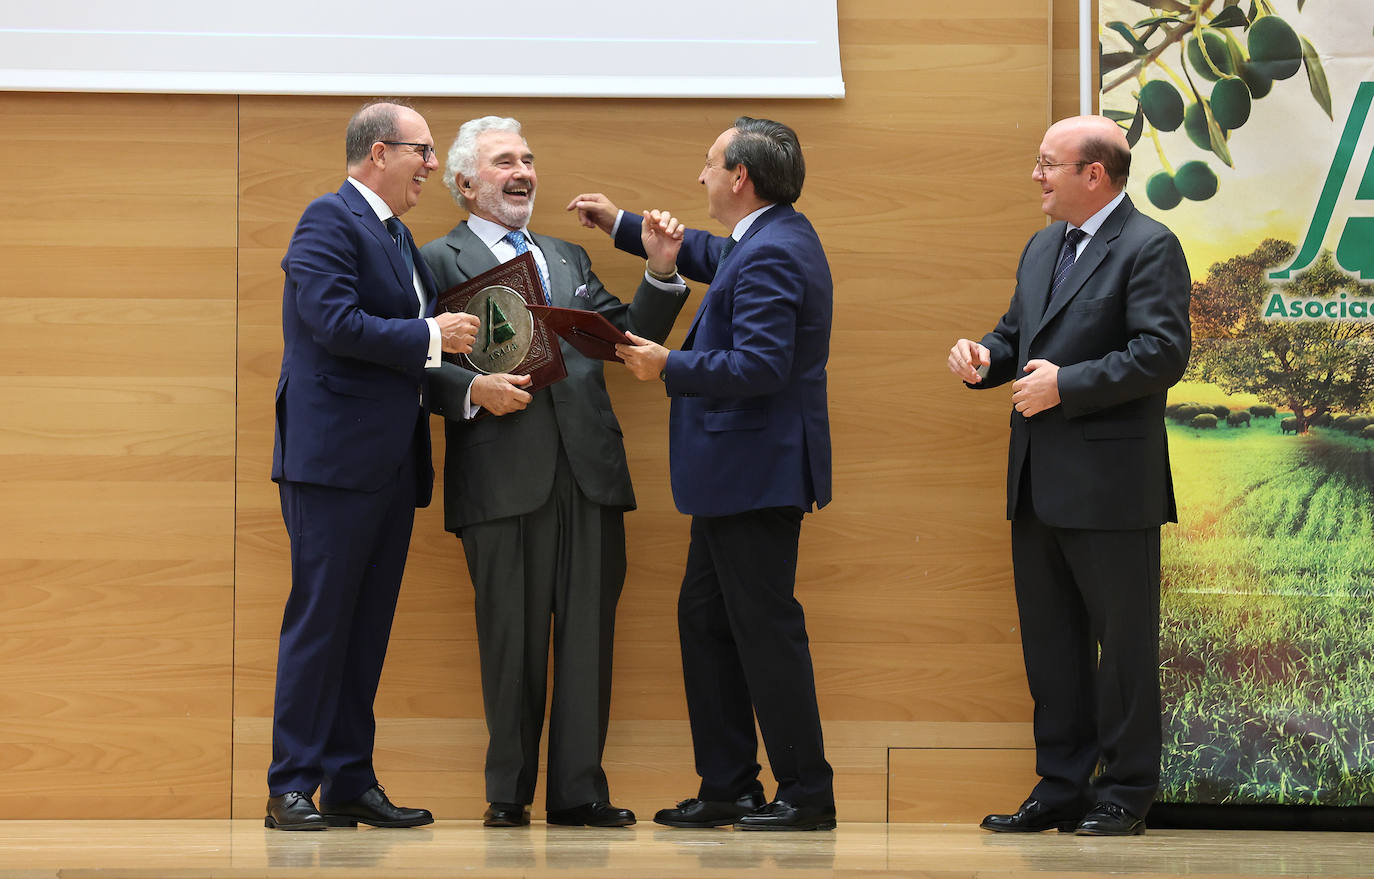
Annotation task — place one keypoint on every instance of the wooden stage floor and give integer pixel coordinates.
(202, 849)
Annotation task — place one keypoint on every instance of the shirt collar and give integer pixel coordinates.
(374, 200)
(489, 232)
(1094, 223)
(743, 225)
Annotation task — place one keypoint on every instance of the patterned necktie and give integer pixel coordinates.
(515, 238)
(1066, 261)
(725, 251)
(401, 235)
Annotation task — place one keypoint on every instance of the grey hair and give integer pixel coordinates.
(376, 120)
(462, 156)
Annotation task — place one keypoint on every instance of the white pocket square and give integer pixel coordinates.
(581, 291)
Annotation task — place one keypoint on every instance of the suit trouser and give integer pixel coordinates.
(348, 554)
(561, 567)
(745, 652)
(1088, 603)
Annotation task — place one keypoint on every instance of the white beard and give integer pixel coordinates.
(488, 198)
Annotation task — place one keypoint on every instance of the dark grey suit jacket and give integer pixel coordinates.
(1119, 332)
(501, 466)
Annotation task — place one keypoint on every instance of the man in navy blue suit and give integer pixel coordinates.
(352, 462)
(749, 455)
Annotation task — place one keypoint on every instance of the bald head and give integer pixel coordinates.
(1097, 139)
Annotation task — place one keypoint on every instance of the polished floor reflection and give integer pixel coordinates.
(200, 849)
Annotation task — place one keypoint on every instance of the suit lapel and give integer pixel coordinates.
(560, 272)
(774, 213)
(368, 218)
(469, 254)
(1093, 254)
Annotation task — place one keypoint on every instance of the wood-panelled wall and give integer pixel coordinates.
(143, 557)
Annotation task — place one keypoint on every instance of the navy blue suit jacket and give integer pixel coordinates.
(748, 425)
(352, 371)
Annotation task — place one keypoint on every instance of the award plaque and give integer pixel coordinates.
(587, 331)
(509, 338)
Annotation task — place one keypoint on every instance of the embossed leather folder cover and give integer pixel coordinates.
(510, 339)
(587, 331)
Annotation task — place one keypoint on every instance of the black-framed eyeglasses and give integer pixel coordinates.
(423, 150)
(1041, 165)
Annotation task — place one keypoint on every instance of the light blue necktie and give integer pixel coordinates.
(515, 238)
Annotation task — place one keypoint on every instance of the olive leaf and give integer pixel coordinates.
(1300, 4)
(1137, 126)
(1122, 28)
(1231, 16)
(1113, 60)
(1316, 76)
(1217, 136)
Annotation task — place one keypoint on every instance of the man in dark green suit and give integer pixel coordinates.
(537, 489)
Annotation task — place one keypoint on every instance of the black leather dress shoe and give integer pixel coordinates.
(782, 815)
(591, 815)
(375, 809)
(1109, 819)
(709, 813)
(506, 815)
(293, 810)
(1033, 817)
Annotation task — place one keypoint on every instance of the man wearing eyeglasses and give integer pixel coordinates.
(352, 462)
(1096, 334)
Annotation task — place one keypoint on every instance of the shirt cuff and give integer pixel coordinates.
(675, 286)
(435, 355)
(615, 227)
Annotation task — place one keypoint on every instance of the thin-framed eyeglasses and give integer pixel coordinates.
(1042, 166)
(423, 150)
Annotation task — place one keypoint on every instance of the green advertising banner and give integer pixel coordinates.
(1252, 134)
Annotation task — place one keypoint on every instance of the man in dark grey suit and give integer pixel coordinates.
(538, 488)
(1096, 334)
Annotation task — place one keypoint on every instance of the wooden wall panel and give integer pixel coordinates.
(117, 455)
(946, 785)
(142, 545)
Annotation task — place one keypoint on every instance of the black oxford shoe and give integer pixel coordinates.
(375, 809)
(1033, 817)
(709, 813)
(1109, 819)
(506, 815)
(591, 815)
(293, 810)
(782, 815)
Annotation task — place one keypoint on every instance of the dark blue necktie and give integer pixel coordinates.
(725, 251)
(1066, 261)
(401, 235)
(515, 238)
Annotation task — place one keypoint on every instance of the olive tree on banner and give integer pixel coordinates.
(1309, 367)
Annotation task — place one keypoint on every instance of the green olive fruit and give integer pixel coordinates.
(1162, 192)
(1196, 180)
(1161, 104)
(1258, 83)
(1195, 124)
(1275, 49)
(1217, 50)
(1230, 102)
